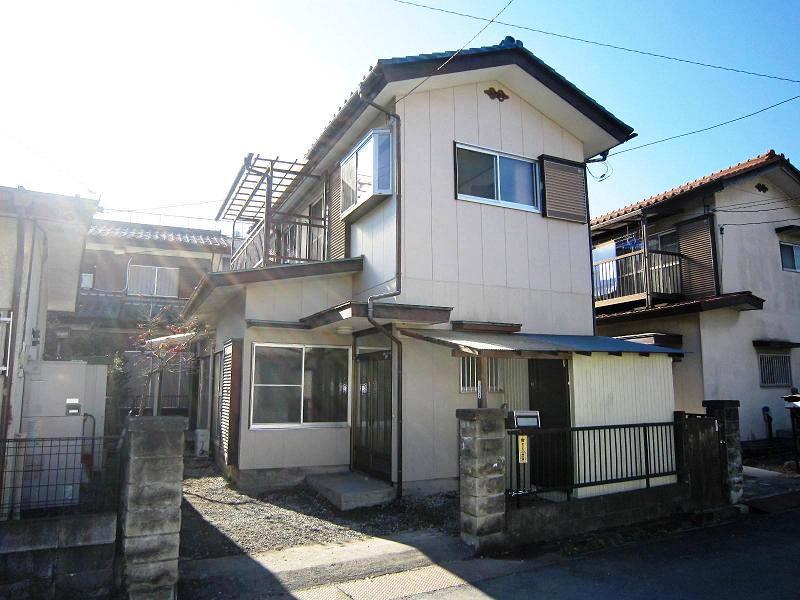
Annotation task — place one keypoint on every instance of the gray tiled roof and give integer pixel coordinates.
(141, 232)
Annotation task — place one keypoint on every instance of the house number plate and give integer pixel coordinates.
(522, 448)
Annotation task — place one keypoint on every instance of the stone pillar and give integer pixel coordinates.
(727, 413)
(150, 515)
(482, 467)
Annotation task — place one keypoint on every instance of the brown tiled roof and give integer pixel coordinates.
(739, 169)
(102, 229)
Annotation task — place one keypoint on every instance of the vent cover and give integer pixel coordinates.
(564, 189)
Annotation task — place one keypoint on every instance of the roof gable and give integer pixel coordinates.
(752, 165)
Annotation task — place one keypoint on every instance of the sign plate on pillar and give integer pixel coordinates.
(522, 449)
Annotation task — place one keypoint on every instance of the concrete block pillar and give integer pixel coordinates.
(727, 413)
(482, 466)
(150, 515)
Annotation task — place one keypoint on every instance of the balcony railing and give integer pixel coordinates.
(623, 279)
(292, 239)
(124, 308)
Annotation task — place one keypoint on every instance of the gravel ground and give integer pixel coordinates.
(220, 521)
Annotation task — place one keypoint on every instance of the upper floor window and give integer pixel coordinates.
(790, 256)
(496, 178)
(666, 241)
(87, 281)
(367, 170)
(144, 280)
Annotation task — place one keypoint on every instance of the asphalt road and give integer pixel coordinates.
(757, 557)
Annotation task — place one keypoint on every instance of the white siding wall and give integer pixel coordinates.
(616, 390)
(293, 299)
(490, 263)
(294, 447)
(687, 372)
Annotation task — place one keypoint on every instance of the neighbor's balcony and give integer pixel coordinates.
(291, 239)
(638, 277)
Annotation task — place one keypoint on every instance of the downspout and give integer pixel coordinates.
(397, 285)
(25, 318)
(5, 413)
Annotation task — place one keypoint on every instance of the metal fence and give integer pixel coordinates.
(45, 476)
(563, 460)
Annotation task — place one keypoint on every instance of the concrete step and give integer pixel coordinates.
(350, 490)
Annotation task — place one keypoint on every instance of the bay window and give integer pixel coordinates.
(299, 385)
(367, 170)
(496, 178)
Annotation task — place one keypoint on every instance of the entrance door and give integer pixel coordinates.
(373, 419)
(551, 451)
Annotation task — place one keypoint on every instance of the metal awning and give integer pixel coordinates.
(261, 178)
(525, 345)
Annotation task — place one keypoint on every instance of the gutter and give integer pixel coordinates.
(398, 285)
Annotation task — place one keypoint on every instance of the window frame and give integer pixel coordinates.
(301, 425)
(155, 269)
(495, 386)
(788, 357)
(372, 134)
(537, 178)
(796, 250)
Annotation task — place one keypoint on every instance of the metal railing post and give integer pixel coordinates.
(647, 455)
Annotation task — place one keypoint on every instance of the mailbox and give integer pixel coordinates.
(73, 407)
(523, 419)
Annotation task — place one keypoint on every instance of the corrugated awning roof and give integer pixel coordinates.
(520, 344)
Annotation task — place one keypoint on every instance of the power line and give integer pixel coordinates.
(152, 208)
(760, 222)
(603, 44)
(472, 39)
(709, 128)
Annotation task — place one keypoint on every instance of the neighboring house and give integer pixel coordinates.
(131, 273)
(42, 239)
(719, 277)
(431, 252)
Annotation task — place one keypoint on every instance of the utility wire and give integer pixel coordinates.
(472, 39)
(602, 44)
(759, 222)
(709, 128)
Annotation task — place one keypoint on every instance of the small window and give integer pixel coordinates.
(367, 171)
(145, 280)
(469, 375)
(87, 281)
(666, 241)
(487, 176)
(776, 370)
(295, 385)
(790, 256)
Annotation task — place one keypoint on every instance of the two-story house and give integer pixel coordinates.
(131, 273)
(431, 252)
(712, 267)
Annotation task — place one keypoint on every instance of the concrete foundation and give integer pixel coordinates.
(58, 557)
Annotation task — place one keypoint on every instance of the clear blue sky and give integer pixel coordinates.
(155, 104)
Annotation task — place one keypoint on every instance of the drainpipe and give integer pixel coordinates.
(397, 286)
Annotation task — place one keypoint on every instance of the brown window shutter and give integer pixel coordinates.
(697, 265)
(231, 400)
(337, 229)
(564, 189)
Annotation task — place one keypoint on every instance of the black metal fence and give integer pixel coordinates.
(563, 460)
(47, 476)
